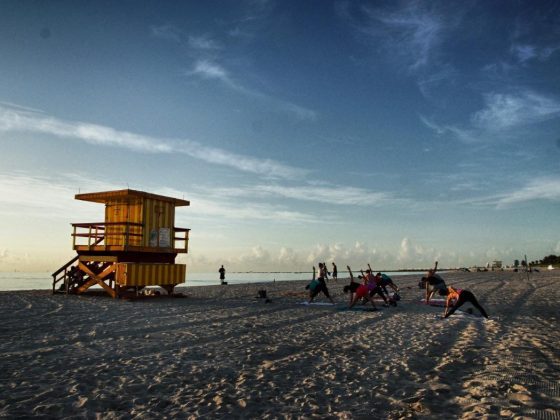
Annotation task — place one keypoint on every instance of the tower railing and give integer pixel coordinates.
(125, 234)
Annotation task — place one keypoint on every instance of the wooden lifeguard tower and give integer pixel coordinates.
(135, 247)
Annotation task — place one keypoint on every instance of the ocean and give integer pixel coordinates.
(43, 281)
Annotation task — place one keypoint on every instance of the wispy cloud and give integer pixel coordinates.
(167, 32)
(412, 32)
(503, 111)
(210, 70)
(203, 42)
(17, 120)
(525, 53)
(175, 34)
(547, 188)
(44, 196)
(431, 83)
(332, 195)
(464, 135)
(538, 189)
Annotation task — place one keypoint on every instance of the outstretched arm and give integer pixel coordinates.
(435, 267)
(351, 276)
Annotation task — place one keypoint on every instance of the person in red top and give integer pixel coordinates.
(373, 283)
(456, 298)
(357, 291)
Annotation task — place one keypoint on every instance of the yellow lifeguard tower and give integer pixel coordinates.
(135, 247)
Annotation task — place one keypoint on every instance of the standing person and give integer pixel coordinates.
(459, 297)
(319, 285)
(357, 291)
(434, 283)
(222, 272)
(334, 272)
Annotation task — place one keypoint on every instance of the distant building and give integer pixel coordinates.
(497, 265)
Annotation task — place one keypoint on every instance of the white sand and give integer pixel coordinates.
(224, 353)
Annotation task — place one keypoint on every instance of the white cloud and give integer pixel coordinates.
(17, 120)
(202, 42)
(167, 32)
(412, 255)
(501, 114)
(210, 70)
(504, 111)
(524, 53)
(411, 33)
(544, 188)
(334, 195)
(539, 189)
(430, 83)
(44, 196)
(464, 135)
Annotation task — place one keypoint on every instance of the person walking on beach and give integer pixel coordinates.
(357, 291)
(433, 282)
(222, 272)
(334, 272)
(456, 298)
(319, 285)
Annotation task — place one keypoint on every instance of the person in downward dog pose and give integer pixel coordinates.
(357, 291)
(456, 298)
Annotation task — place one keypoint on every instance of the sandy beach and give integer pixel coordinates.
(223, 353)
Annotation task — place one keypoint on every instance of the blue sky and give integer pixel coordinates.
(394, 133)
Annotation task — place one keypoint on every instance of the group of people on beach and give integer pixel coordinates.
(370, 285)
(455, 297)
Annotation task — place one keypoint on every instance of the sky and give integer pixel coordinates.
(383, 132)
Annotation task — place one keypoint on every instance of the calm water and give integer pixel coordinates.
(43, 281)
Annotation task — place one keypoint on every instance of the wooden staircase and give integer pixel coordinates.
(75, 279)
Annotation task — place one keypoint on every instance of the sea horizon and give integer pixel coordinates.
(42, 280)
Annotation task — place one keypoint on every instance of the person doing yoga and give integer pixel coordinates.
(319, 285)
(456, 298)
(433, 282)
(373, 285)
(357, 291)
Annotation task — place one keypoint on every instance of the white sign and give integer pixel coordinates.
(164, 237)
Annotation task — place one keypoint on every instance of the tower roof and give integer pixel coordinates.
(125, 195)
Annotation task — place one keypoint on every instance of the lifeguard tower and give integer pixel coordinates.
(135, 247)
